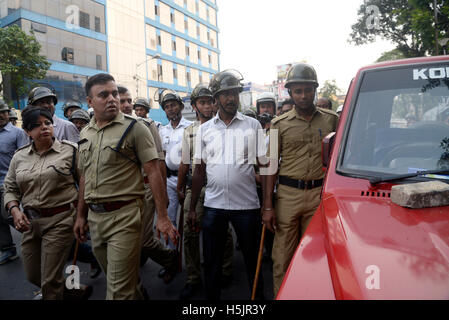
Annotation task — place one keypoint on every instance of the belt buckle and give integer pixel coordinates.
(32, 213)
(97, 207)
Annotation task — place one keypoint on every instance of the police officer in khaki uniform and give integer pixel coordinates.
(299, 133)
(113, 150)
(41, 178)
(151, 247)
(203, 103)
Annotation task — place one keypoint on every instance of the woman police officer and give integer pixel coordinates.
(41, 178)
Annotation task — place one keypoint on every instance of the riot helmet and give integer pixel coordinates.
(168, 95)
(201, 91)
(301, 73)
(226, 80)
(40, 93)
(80, 114)
(143, 102)
(266, 97)
(70, 104)
(3, 106)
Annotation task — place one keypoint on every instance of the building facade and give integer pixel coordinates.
(147, 45)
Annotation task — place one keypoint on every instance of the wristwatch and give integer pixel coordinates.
(12, 207)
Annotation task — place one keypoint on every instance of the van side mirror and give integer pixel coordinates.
(326, 149)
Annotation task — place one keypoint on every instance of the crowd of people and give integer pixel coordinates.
(138, 189)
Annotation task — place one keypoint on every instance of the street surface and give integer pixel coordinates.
(14, 286)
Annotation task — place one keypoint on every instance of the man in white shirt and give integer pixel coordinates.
(226, 151)
(46, 98)
(171, 136)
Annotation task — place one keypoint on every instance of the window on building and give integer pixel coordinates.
(156, 10)
(187, 50)
(212, 42)
(210, 59)
(185, 3)
(197, 7)
(159, 40)
(84, 20)
(175, 74)
(207, 13)
(172, 17)
(198, 31)
(199, 54)
(201, 78)
(159, 72)
(173, 45)
(97, 24)
(186, 25)
(38, 27)
(188, 76)
(99, 62)
(67, 55)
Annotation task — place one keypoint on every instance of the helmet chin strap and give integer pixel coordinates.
(202, 114)
(176, 118)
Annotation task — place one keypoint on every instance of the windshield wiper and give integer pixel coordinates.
(376, 180)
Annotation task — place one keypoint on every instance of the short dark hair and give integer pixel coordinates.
(287, 101)
(329, 102)
(101, 78)
(30, 115)
(122, 90)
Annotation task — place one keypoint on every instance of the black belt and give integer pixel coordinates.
(34, 213)
(300, 184)
(171, 173)
(108, 206)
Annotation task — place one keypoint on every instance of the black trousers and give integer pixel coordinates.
(247, 225)
(6, 242)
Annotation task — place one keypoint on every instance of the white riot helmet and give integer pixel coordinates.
(266, 97)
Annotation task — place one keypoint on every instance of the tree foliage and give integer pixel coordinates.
(391, 55)
(409, 24)
(20, 61)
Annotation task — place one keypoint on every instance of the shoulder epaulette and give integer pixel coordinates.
(328, 111)
(73, 144)
(146, 121)
(82, 141)
(277, 119)
(23, 147)
(128, 117)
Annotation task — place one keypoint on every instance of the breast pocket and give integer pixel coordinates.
(24, 176)
(295, 145)
(85, 154)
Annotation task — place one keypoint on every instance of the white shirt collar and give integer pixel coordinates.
(237, 116)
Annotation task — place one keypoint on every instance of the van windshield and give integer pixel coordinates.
(400, 123)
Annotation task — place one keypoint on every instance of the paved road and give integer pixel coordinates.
(14, 286)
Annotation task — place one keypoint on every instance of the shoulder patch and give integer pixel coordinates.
(277, 119)
(24, 147)
(82, 141)
(70, 143)
(331, 112)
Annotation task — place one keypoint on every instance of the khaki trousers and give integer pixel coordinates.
(116, 243)
(192, 243)
(294, 211)
(45, 250)
(151, 246)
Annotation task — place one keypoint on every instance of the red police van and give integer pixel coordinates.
(361, 243)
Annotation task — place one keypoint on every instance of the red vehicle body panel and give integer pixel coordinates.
(357, 229)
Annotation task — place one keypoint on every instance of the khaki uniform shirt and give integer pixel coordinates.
(33, 181)
(157, 138)
(110, 175)
(188, 145)
(299, 143)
